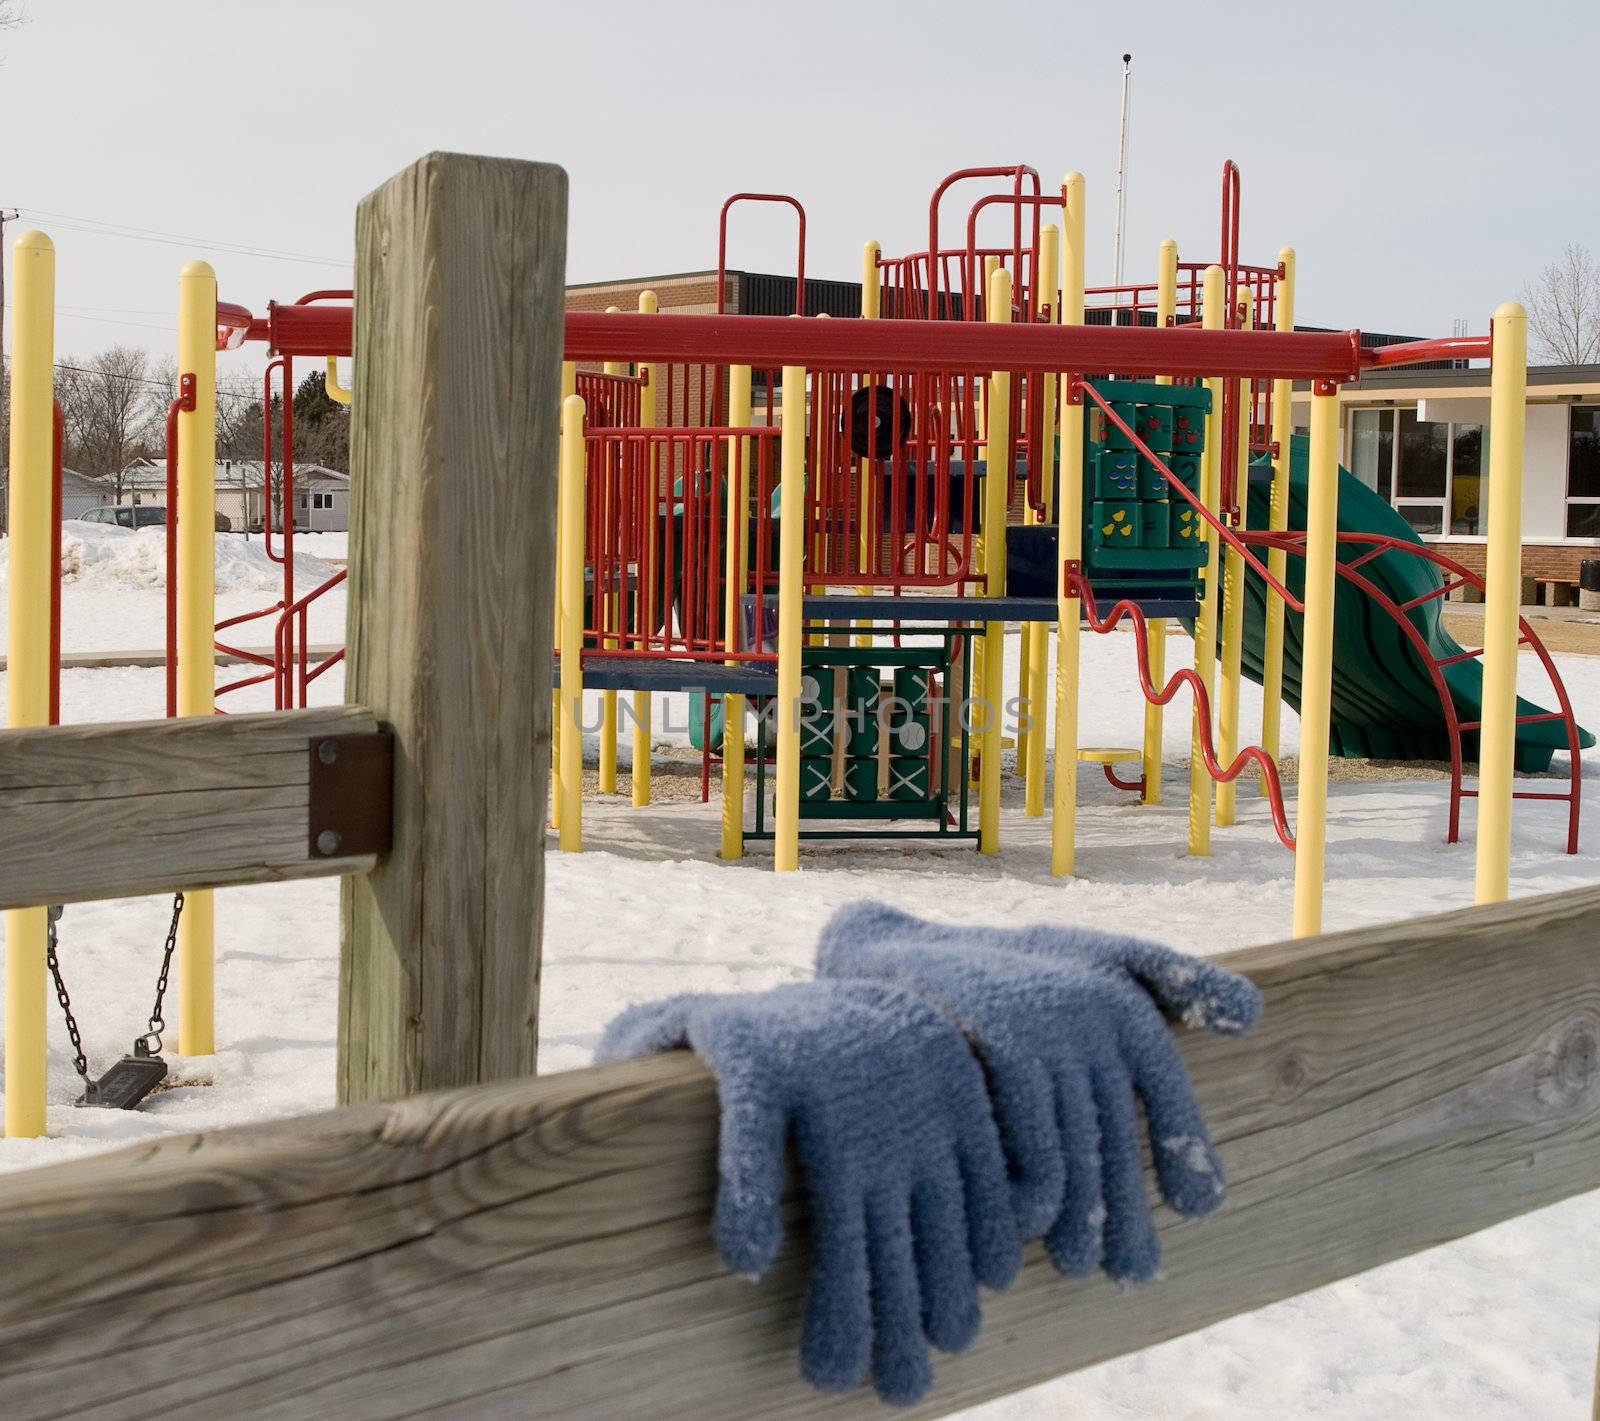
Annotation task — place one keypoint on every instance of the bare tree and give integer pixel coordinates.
(1564, 308)
(239, 433)
(107, 405)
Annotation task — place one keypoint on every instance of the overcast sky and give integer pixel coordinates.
(1425, 159)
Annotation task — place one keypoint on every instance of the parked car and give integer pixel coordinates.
(142, 515)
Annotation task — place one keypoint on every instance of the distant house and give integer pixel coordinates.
(321, 495)
(81, 492)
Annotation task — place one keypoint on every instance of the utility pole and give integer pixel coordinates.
(1122, 169)
(7, 214)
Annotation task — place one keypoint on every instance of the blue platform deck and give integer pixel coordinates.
(632, 673)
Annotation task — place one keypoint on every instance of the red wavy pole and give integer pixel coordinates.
(1078, 586)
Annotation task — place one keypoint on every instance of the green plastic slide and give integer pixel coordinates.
(1385, 704)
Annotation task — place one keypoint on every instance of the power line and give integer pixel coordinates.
(166, 385)
(81, 314)
(93, 226)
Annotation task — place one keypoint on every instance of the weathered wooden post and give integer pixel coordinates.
(460, 271)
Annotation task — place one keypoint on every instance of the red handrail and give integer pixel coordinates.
(722, 245)
(1460, 576)
(1017, 172)
(1077, 585)
(1024, 290)
(1411, 352)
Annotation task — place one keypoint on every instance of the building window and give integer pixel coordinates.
(1469, 484)
(1372, 449)
(1583, 472)
(322, 500)
(1433, 473)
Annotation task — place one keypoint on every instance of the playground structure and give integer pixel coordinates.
(541, 1244)
(1119, 437)
(682, 551)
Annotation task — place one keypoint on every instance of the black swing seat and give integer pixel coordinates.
(126, 1084)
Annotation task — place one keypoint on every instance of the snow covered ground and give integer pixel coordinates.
(1499, 1325)
(105, 568)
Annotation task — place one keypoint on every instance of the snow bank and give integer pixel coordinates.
(100, 554)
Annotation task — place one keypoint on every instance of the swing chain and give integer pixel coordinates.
(80, 1062)
(152, 1038)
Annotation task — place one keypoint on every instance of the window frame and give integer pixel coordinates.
(1444, 506)
(1570, 500)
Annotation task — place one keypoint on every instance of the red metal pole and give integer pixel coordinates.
(287, 482)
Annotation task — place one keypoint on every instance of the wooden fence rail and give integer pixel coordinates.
(540, 1248)
(102, 811)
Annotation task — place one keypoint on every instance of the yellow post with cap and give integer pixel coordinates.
(644, 585)
(1277, 522)
(34, 562)
(1233, 592)
(197, 532)
(1316, 659)
(1036, 635)
(607, 610)
(996, 501)
(871, 308)
(1064, 747)
(791, 612)
(569, 386)
(1156, 628)
(1205, 626)
(570, 567)
(1497, 734)
(736, 563)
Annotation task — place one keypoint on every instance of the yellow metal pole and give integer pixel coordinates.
(996, 503)
(1316, 659)
(736, 560)
(34, 562)
(1277, 559)
(1156, 628)
(569, 386)
(644, 577)
(1036, 635)
(1064, 750)
(871, 308)
(571, 605)
(1205, 626)
(197, 532)
(791, 611)
(1497, 736)
(980, 647)
(1233, 595)
(606, 610)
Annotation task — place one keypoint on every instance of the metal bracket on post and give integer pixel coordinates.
(1074, 391)
(186, 393)
(350, 812)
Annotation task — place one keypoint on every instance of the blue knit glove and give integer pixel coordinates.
(1069, 1025)
(897, 1148)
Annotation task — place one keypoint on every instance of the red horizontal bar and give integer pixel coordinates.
(310, 330)
(767, 342)
(1439, 348)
